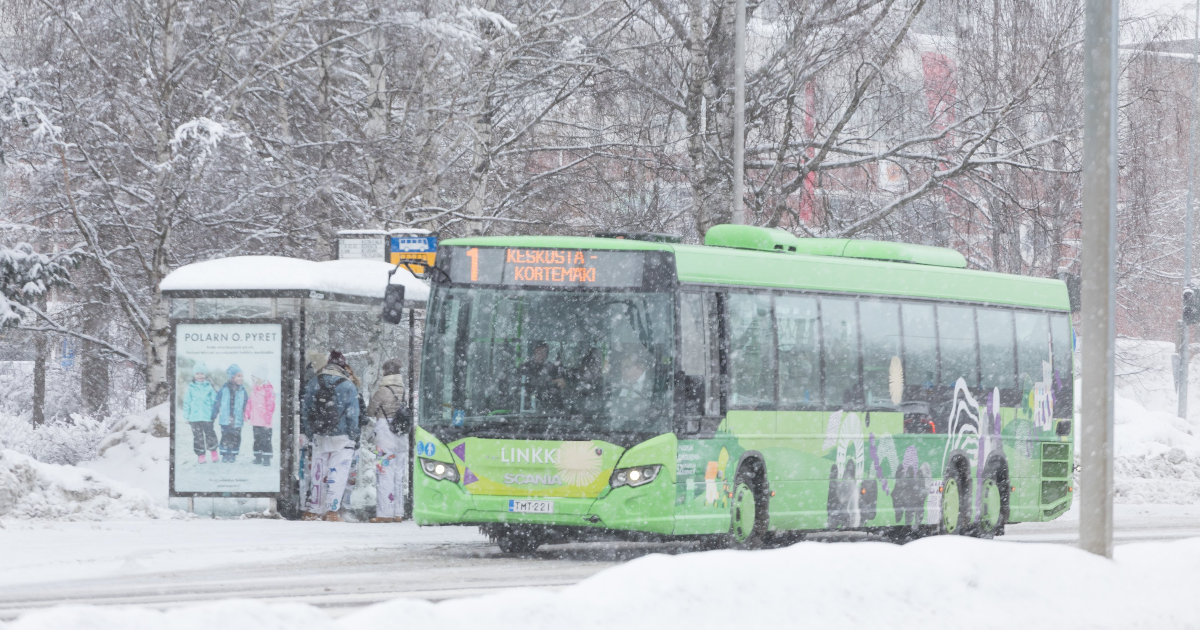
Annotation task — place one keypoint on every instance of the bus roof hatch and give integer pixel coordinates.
(771, 239)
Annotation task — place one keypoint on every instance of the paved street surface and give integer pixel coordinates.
(343, 566)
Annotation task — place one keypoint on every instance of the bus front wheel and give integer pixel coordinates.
(748, 523)
(518, 540)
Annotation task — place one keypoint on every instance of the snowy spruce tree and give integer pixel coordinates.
(26, 276)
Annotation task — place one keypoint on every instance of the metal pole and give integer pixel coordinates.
(412, 339)
(739, 109)
(1099, 278)
(1185, 342)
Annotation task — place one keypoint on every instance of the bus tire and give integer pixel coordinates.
(748, 521)
(956, 504)
(518, 540)
(903, 534)
(993, 504)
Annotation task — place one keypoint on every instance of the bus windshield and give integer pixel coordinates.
(540, 364)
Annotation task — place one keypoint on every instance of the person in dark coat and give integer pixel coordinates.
(329, 416)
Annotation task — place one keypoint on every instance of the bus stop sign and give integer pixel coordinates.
(413, 248)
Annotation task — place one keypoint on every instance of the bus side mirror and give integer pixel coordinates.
(393, 304)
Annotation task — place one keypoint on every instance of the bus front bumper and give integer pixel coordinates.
(648, 508)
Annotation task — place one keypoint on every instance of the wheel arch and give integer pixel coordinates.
(958, 461)
(754, 460)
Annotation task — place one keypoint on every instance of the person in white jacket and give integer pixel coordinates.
(391, 443)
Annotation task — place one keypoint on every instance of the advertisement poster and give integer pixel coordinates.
(226, 431)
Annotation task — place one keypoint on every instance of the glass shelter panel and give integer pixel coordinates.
(355, 330)
(233, 308)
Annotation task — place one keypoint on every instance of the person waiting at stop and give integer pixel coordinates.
(329, 411)
(392, 422)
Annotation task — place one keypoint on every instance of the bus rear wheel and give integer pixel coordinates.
(748, 523)
(956, 503)
(991, 503)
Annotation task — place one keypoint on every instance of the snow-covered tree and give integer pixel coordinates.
(26, 276)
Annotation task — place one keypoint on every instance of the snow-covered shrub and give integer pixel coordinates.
(68, 441)
(32, 489)
(16, 390)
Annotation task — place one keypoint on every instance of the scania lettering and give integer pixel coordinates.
(532, 480)
(755, 385)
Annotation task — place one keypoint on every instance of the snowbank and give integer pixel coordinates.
(137, 452)
(945, 582)
(32, 489)
(1156, 454)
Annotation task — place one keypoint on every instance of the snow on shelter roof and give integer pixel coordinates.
(363, 278)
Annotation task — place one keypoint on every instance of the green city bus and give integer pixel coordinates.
(756, 386)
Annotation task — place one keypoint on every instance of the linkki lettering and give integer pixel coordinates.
(531, 455)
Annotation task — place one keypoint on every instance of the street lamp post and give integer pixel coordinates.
(1099, 278)
(739, 109)
(1185, 332)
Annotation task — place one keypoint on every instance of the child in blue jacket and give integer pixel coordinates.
(229, 411)
(198, 403)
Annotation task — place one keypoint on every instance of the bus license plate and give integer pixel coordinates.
(531, 507)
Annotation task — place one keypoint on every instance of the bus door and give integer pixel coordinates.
(702, 459)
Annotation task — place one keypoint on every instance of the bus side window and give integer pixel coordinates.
(1033, 349)
(997, 353)
(882, 378)
(956, 344)
(839, 335)
(920, 351)
(698, 384)
(751, 351)
(1062, 381)
(798, 331)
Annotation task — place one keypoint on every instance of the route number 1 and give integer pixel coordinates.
(473, 254)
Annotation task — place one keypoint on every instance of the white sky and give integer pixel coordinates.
(1145, 7)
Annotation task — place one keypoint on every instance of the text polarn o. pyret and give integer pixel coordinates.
(232, 336)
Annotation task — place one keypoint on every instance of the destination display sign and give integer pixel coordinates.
(546, 267)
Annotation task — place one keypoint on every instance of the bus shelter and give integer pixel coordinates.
(269, 323)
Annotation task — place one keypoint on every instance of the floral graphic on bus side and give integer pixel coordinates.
(579, 463)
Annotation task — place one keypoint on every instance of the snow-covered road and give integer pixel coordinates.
(342, 566)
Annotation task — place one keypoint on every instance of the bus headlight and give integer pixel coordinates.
(634, 477)
(441, 471)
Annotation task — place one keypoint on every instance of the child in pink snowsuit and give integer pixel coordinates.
(260, 410)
